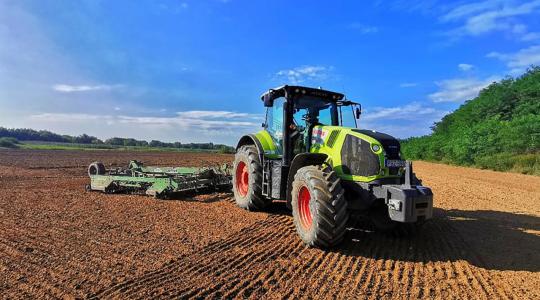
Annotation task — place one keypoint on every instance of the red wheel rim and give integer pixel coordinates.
(242, 179)
(304, 197)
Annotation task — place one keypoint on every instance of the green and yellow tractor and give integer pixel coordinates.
(311, 154)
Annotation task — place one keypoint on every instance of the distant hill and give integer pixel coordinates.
(499, 129)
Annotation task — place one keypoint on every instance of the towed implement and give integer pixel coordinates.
(160, 182)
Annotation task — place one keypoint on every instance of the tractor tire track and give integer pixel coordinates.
(376, 275)
(202, 263)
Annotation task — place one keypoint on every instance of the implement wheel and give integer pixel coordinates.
(319, 207)
(247, 179)
(96, 168)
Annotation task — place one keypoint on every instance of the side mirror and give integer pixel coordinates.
(268, 100)
(358, 112)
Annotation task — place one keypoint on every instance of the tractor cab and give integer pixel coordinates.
(293, 112)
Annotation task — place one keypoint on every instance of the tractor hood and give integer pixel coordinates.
(356, 154)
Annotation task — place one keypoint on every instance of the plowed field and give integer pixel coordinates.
(58, 241)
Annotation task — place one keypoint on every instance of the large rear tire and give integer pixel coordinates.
(319, 207)
(247, 179)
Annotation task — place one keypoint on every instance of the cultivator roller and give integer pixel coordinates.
(160, 182)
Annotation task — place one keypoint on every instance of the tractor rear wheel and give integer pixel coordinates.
(247, 179)
(319, 207)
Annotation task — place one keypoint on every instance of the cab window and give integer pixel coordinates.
(274, 123)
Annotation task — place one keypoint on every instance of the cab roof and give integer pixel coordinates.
(294, 90)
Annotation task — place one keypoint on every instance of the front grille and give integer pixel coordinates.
(357, 157)
(392, 150)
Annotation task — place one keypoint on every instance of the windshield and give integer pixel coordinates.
(315, 110)
(323, 112)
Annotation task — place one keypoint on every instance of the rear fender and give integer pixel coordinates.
(264, 143)
(299, 161)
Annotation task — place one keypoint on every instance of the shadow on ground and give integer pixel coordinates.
(489, 239)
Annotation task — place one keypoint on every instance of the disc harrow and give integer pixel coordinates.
(160, 182)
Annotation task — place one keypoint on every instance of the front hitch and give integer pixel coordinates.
(409, 202)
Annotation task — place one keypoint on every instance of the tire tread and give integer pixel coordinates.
(331, 212)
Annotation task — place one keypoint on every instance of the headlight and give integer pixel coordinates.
(375, 148)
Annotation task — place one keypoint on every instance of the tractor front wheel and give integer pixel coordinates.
(247, 179)
(319, 207)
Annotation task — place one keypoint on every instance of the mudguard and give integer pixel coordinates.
(264, 143)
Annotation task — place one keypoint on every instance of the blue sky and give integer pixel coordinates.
(193, 70)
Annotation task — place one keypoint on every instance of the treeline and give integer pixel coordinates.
(499, 129)
(25, 134)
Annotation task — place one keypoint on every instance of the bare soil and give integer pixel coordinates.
(58, 241)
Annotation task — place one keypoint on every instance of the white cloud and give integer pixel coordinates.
(421, 6)
(408, 84)
(66, 88)
(185, 120)
(364, 29)
(174, 8)
(212, 114)
(412, 111)
(460, 89)
(470, 9)
(483, 17)
(187, 126)
(304, 73)
(531, 36)
(31, 63)
(404, 121)
(465, 67)
(519, 61)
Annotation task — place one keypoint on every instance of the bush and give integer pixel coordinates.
(524, 163)
(497, 162)
(527, 164)
(9, 142)
(226, 150)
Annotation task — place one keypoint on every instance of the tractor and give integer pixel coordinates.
(311, 154)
